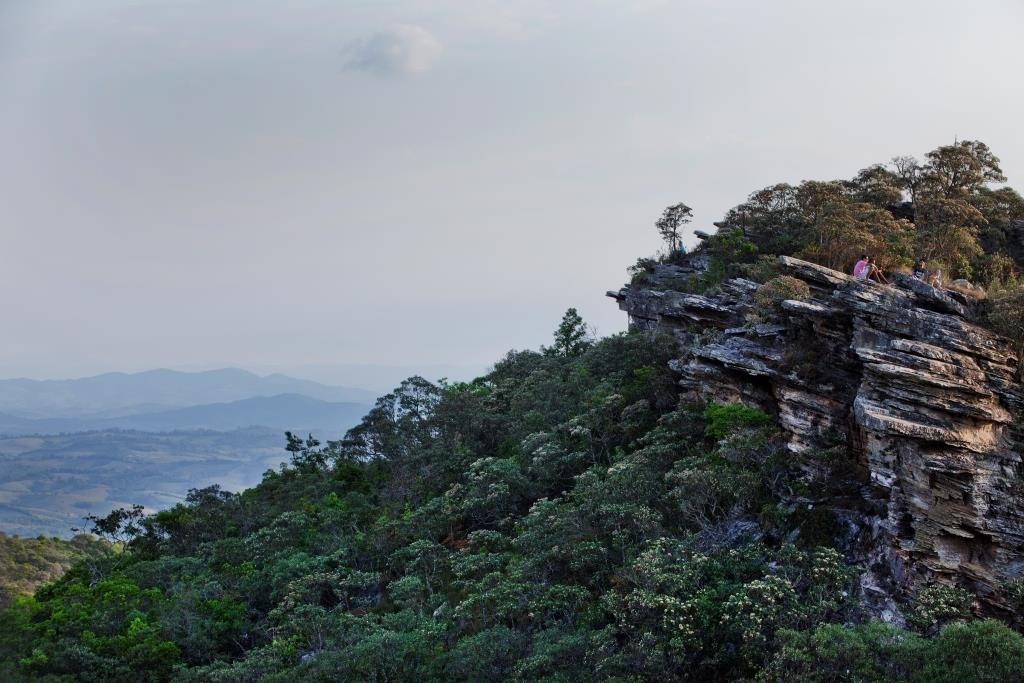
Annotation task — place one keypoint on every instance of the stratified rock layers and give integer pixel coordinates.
(924, 398)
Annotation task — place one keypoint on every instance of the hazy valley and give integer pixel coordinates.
(70, 448)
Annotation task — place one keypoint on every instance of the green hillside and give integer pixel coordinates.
(26, 563)
(561, 518)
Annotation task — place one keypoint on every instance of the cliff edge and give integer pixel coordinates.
(921, 399)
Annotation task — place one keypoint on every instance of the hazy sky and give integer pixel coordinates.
(279, 184)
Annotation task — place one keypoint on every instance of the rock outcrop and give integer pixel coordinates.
(923, 399)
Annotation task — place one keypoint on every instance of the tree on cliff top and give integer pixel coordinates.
(959, 169)
(672, 219)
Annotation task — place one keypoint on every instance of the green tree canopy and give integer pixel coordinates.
(955, 220)
(572, 336)
(672, 219)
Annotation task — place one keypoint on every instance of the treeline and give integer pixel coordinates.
(26, 563)
(945, 210)
(563, 518)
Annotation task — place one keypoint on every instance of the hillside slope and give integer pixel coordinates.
(569, 516)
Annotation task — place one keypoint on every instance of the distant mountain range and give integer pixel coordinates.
(382, 378)
(284, 411)
(118, 394)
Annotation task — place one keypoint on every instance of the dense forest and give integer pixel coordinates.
(564, 517)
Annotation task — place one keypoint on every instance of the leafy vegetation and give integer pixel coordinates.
(672, 219)
(29, 562)
(564, 517)
(876, 653)
(769, 296)
(1006, 316)
(944, 210)
(951, 207)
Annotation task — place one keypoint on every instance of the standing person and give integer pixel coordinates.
(860, 269)
(875, 273)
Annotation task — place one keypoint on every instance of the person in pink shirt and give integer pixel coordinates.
(862, 268)
(865, 269)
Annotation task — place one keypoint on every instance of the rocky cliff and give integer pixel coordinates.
(922, 399)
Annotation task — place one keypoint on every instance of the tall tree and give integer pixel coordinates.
(772, 219)
(908, 175)
(948, 221)
(572, 336)
(846, 229)
(1000, 207)
(876, 185)
(957, 170)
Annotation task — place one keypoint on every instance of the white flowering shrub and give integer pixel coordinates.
(938, 605)
(690, 606)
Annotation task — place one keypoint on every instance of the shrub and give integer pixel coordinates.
(1013, 592)
(639, 271)
(878, 653)
(873, 652)
(995, 268)
(769, 297)
(731, 246)
(762, 270)
(726, 419)
(974, 651)
(1006, 316)
(727, 251)
(939, 605)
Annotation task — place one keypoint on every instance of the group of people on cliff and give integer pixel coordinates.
(867, 269)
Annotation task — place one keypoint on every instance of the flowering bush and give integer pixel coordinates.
(939, 605)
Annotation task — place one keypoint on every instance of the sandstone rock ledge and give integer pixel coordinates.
(924, 399)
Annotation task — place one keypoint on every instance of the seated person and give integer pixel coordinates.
(861, 269)
(875, 273)
(919, 270)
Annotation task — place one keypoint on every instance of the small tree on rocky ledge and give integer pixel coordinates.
(672, 219)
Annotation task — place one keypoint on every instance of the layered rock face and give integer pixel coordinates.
(923, 400)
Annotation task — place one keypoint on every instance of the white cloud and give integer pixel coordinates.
(404, 49)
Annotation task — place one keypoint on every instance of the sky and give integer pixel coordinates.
(312, 184)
